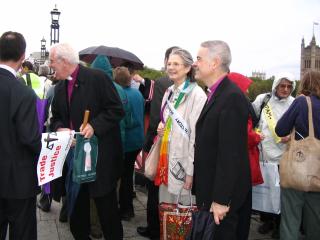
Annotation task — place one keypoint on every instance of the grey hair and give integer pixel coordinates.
(219, 49)
(65, 51)
(44, 70)
(185, 56)
(187, 60)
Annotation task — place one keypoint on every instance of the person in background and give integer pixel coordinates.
(272, 146)
(43, 74)
(298, 206)
(20, 144)
(185, 100)
(221, 164)
(102, 63)
(160, 86)
(79, 89)
(254, 139)
(45, 199)
(134, 139)
(31, 79)
(146, 88)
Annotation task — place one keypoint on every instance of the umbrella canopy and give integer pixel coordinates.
(117, 56)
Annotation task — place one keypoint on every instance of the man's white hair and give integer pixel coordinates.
(65, 51)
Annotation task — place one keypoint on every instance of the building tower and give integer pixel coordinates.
(54, 35)
(310, 57)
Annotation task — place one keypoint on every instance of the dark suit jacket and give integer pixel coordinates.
(221, 165)
(20, 139)
(160, 87)
(95, 92)
(145, 91)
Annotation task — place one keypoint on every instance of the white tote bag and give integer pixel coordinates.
(266, 196)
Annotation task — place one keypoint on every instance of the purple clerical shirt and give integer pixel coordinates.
(71, 84)
(213, 88)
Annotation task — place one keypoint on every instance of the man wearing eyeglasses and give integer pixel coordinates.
(272, 146)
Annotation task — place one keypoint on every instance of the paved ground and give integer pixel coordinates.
(49, 227)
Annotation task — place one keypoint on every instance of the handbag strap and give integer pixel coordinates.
(190, 196)
(310, 119)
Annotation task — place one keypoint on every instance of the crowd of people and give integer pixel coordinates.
(213, 141)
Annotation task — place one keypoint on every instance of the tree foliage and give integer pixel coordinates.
(259, 86)
(151, 73)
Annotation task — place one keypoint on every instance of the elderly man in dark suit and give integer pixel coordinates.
(79, 89)
(221, 165)
(20, 143)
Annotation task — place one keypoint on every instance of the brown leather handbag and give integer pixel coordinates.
(300, 164)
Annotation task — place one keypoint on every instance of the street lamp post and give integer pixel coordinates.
(54, 35)
(43, 50)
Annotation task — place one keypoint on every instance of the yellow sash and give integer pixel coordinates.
(267, 111)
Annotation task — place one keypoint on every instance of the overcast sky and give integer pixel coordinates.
(263, 35)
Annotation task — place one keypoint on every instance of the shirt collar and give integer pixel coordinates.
(213, 88)
(74, 75)
(10, 69)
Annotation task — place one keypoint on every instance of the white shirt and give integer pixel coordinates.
(10, 69)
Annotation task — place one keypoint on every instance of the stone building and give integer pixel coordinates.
(310, 57)
(259, 74)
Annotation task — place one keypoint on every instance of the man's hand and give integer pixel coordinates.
(261, 136)
(138, 78)
(87, 132)
(219, 211)
(188, 182)
(285, 139)
(69, 130)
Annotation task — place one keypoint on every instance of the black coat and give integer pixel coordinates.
(20, 139)
(221, 165)
(95, 92)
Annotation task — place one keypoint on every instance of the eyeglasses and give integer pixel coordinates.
(284, 86)
(175, 65)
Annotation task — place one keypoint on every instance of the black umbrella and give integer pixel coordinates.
(117, 56)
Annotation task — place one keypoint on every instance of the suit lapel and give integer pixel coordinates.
(213, 99)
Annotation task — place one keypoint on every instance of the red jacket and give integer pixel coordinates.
(253, 138)
(253, 151)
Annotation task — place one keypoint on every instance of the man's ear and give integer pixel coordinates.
(22, 57)
(215, 62)
(20, 61)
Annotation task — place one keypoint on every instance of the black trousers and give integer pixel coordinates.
(236, 224)
(243, 227)
(21, 216)
(153, 208)
(270, 217)
(108, 212)
(126, 184)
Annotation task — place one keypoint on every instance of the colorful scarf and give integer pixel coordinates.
(162, 170)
